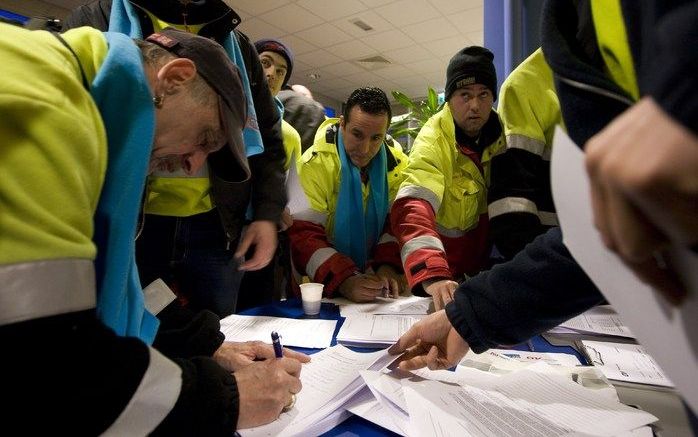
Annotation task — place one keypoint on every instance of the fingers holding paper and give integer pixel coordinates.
(265, 388)
(432, 342)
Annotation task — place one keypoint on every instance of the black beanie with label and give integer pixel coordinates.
(469, 66)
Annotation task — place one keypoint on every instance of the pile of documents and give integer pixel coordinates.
(530, 400)
(329, 380)
(380, 323)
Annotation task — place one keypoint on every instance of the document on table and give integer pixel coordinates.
(299, 333)
(625, 362)
(403, 305)
(329, 380)
(523, 403)
(602, 319)
(370, 330)
(552, 359)
(668, 332)
(365, 405)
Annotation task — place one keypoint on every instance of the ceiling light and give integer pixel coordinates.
(361, 24)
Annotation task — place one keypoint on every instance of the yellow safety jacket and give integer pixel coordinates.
(319, 174)
(446, 192)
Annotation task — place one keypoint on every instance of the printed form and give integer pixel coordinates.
(313, 334)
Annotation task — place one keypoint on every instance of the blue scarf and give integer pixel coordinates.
(121, 83)
(123, 19)
(356, 231)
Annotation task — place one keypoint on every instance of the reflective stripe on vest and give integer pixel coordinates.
(423, 242)
(154, 398)
(516, 141)
(317, 259)
(509, 205)
(46, 288)
(613, 44)
(417, 192)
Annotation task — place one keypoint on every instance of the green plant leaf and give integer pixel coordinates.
(432, 99)
(403, 100)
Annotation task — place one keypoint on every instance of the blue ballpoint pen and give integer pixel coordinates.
(276, 342)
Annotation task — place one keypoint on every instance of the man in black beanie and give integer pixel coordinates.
(444, 194)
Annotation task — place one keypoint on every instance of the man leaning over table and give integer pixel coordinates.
(350, 175)
(73, 321)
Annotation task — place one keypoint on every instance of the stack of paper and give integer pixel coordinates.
(370, 330)
(475, 403)
(625, 362)
(299, 333)
(329, 380)
(599, 320)
(403, 305)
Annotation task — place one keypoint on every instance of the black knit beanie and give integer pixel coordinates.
(274, 45)
(471, 65)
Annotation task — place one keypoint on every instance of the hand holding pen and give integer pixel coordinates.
(279, 353)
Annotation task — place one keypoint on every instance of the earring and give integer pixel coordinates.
(157, 101)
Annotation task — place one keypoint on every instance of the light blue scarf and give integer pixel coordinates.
(123, 19)
(356, 231)
(121, 83)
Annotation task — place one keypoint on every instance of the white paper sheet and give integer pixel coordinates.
(403, 305)
(329, 380)
(669, 333)
(523, 403)
(553, 359)
(365, 405)
(602, 319)
(299, 333)
(369, 330)
(626, 362)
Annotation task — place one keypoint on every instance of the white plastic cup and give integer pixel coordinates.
(311, 295)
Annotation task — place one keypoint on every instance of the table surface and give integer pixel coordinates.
(664, 404)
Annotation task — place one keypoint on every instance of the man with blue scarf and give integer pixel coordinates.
(192, 234)
(350, 175)
(73, 167)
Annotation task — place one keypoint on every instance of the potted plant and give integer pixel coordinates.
(408, 125)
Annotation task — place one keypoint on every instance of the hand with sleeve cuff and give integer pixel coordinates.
(432, 342)
(441, 290)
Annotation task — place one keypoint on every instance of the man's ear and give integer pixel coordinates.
(176, 73)
(341, 122)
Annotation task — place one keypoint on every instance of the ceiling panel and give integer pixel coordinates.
(418, 37)
(331, 10)
(324, 35)
(406, 12)
(281, 17)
